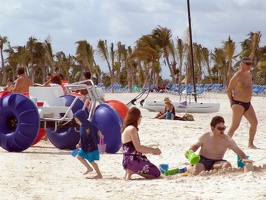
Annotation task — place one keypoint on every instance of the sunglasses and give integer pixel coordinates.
(221, 128)
(248, 64)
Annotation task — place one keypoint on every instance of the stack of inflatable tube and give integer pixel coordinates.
(19, 122)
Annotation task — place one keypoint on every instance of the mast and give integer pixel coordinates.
(191, 51)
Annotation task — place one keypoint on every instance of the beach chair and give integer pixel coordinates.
(124, 89)
(151, 88)
(52, 105)
(172, 88)
(260, 90)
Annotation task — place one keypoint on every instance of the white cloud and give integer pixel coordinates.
(68, 21)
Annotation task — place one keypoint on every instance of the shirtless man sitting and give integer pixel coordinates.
(239, 92)
(213, 146)
(86, 76)
(22, 83)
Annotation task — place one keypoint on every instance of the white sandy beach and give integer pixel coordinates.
(45, 172)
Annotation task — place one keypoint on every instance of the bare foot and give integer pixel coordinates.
(88, 171)
(98, 177)
(125, 175)
(252, 146)
(127, 178)
(128, 174)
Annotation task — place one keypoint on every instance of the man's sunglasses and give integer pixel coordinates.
(221, 128)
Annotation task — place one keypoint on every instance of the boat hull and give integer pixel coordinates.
(190, 107)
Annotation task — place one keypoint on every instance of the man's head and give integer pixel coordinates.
(217, 122)
(20, 71)
(246, 61)
(48, 76)
(87, 75)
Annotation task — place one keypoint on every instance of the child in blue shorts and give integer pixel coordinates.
(89, 137)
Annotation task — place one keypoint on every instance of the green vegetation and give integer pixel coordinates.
(139, 65)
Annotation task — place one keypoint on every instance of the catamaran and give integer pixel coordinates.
(185, 106)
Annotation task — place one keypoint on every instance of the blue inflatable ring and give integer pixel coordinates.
(110, 124)
(19, 122)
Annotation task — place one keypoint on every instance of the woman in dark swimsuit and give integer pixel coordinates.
(133, 160)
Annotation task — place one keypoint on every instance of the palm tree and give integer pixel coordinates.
(198, 62)
(250, 48)
(85, 55)
(229, 48)
(130, 66)
(30, 48)
(22, 56)
(49, 55)
(147, 50)
(112, 55)
(104, 54)
(12, 59)
(218, 56)
(121, 56)
(3, 41)
(181, 49)
(261, 66)
(40, 63)
(66, 65)
(206, 60)
(98, 73)
(162, 38)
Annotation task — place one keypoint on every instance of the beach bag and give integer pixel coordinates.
(168, 115)
(101, 146)
(188, 117)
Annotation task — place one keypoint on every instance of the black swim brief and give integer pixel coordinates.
(244, 104)
(208, 163)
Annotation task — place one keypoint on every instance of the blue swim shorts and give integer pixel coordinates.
(90, 156)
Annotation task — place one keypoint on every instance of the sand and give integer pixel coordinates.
(45, 172)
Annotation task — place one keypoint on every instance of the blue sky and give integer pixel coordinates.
(68, 21)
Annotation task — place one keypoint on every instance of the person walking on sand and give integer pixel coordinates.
(239, 92)
(22, 83)
(213, 146)
(88, 148)
(133, 160)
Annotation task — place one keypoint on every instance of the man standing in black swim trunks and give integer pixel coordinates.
(213, 146)
(239, 92)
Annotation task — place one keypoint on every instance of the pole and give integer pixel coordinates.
(191, 51)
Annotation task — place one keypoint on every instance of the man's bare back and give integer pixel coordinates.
(22, 84)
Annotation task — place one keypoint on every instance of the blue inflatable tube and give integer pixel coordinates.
(19, 122)
(66, 138)
(110, 124)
